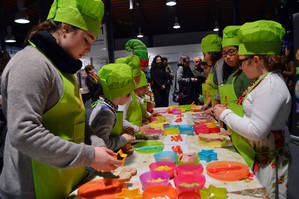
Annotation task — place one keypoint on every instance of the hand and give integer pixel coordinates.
(128, 137)
(145, 128)
(209, 111)
(146, 120)
(204, 107)
(103, 160)
(218, 109)
(151, 104)
(163, 87)
(227, 132)
(193, 79)
(129, 130)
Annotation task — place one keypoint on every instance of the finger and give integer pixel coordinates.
(110, 152)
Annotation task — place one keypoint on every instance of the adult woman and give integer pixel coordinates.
(160, 84)
(211, 48)
(266, 104)
(92, 82)
(186, 81)
(44, 153)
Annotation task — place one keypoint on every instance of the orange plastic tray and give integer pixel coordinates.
(160, 191)
(228, 170)
(101, 189)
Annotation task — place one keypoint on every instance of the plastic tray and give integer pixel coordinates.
(166, 156)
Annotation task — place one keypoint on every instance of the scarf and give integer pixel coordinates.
(47, 44)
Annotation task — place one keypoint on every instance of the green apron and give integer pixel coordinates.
(134, 114)
(228, 97)
(118, 126)
(67, 121)
(209, 89)
(143, 109)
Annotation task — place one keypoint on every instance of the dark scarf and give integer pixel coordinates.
(46, 43)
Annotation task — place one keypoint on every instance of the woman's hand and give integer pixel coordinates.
(218, 109)
(104, 160)
(128, 137)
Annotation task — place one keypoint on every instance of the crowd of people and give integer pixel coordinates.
(53, 135)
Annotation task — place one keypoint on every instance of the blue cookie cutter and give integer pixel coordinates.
(207, 155)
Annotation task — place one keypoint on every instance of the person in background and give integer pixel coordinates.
(211, 48)
(117, 82)
(170, 74)
(160, 82)
(186, 81)
(92, 82)
(290, 70)
(45, 155)
(201, 77)
(266, 105)
(4, 58)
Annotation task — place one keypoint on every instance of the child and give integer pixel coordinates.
(135, 111)
(117, 83)
(205, 98)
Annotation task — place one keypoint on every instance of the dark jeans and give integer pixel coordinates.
(161, 97)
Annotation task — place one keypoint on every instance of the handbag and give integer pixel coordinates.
(177, 96)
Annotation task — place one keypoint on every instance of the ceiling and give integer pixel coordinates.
(153, 17)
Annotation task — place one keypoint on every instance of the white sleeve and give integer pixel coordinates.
(256, 123)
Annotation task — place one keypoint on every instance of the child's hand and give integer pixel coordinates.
(129, 130)
(103, 160)
(151, 104)
(145, 128)
(146, 121)
(128, 137)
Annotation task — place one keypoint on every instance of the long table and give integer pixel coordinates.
(236, 190)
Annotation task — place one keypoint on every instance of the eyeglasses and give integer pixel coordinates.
(230, 52)
(242, 60)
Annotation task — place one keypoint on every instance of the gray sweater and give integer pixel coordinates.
(30, 86)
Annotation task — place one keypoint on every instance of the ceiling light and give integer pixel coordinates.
(9, 38)
(140, 35)
(216, 29)
(21, 17)
(176, 25)
(171, 3)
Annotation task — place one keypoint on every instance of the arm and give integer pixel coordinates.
(101, 123)
(264, 107)
(31, 88)
(180, 78)
(290, 72)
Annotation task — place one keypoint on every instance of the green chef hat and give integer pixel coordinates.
(230, 36)
(261, 37)
(84, 14)
(132, 61)
(116, 80)
(143, 80)
(211, 43)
